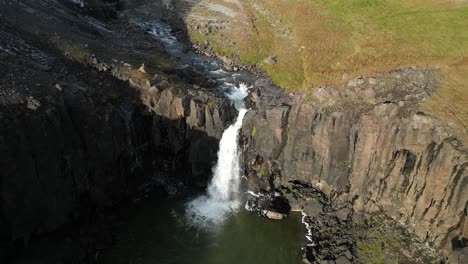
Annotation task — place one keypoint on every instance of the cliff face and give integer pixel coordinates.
(81, 145)
(80, 131)
(367, 145)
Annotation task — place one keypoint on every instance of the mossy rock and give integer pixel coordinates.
(370, 252)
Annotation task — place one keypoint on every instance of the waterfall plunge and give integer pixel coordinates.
(222, 196)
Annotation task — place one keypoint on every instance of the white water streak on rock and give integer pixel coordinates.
(309, 229)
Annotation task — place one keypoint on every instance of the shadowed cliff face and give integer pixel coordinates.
(81, 128)
(367, 145)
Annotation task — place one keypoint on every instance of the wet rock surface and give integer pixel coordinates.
(270, 205)
(336, 233)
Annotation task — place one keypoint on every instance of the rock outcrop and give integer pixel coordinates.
(367, 144)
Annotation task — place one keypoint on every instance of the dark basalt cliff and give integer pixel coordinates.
(80, 131)
(367, 146)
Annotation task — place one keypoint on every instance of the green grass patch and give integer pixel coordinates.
(262, 171)
(370, 252)
(210, 104)
(433, 28)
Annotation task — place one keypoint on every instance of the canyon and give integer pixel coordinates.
(95, 111)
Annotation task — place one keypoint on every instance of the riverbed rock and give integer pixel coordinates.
(342, 260)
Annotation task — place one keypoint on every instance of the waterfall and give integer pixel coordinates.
(222, 194)
(223, 190)
(225, 182)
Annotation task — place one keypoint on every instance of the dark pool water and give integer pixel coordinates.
(157, 232)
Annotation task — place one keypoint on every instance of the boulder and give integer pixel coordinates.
(274, 215)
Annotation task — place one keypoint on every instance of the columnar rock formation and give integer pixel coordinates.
(367, 144)
(80, 131)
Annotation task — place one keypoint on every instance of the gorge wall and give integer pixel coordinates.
(80, 130)
(367, 144)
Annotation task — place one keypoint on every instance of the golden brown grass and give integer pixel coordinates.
(316, 42)
(450, 102)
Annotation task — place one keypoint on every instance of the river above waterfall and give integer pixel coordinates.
(156, 231)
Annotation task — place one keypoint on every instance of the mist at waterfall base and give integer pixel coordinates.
(222, 196)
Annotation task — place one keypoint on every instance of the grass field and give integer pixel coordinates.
(317, 42)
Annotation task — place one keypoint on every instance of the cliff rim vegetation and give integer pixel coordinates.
(305, 44)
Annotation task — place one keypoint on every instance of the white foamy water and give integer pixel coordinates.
(222, 195)
(79, 2)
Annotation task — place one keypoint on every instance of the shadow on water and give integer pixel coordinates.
(157, 232)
